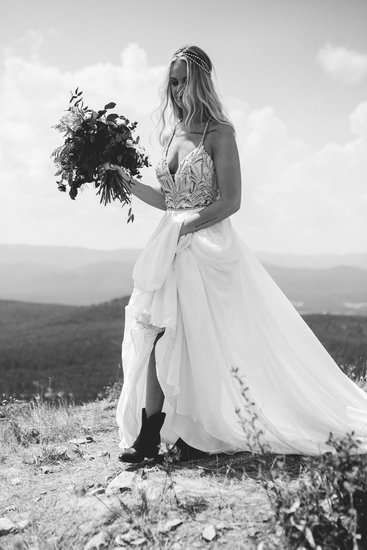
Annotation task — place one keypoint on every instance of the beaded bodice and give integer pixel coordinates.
(194, 184)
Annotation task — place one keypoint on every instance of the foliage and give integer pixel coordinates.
(91, 139)
(326, 507)
(79, 348)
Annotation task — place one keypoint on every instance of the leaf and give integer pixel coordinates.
(73, 193)
(112, 116)
(101, 113)
(111, 105)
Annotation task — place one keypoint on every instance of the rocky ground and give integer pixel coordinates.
(62, 487)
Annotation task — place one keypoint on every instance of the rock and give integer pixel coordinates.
(16, 481)
(169, 525)
(98, 541)
(22, 524)
(7, 526)
(123, 482)
(208, 533)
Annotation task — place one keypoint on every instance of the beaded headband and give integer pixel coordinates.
(195, 59)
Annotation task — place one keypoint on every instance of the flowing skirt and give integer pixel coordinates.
(235, 356)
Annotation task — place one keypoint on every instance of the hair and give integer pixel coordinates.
(200, 96)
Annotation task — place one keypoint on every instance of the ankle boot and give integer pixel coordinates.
(148, 440)
(188, 453)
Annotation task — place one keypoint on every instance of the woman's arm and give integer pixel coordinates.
(228, 172)
(150, 195)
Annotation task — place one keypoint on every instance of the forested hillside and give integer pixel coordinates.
(78, 349)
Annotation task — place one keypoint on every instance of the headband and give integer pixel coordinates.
(195, 59)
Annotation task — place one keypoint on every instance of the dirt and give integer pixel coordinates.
(216, 502)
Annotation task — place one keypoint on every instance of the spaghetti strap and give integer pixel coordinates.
(204, 133)
(171, 138)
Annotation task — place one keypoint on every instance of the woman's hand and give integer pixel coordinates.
(124, 175)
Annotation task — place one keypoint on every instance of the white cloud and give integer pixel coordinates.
(294, 198)
(347, 65)
(299, 199)
(358, 120)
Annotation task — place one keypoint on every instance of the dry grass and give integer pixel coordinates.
(59, 486)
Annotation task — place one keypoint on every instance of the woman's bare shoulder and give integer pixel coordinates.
(220, 132)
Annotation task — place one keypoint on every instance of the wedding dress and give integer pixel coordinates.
(220, 309)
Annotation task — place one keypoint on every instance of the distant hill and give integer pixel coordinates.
(79, 276)
(337, 290)
(78, 349)
(313, 261)
(62, 257)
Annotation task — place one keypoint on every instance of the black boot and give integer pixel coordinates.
(148, 440)
(188, 453)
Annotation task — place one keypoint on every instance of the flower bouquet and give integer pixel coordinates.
(93, 138)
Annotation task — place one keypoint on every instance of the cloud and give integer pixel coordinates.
(340, 63)
(299, 199)
(358, 120)
(295, 198)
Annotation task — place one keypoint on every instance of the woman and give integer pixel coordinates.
(204, 314)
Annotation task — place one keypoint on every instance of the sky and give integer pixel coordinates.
(292, 75)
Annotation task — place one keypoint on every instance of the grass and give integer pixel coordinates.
(57, 460)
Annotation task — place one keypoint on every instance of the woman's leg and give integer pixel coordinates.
(154, 395)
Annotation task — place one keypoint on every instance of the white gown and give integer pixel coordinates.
(220, 310)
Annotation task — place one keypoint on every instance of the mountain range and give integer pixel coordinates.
(79, 276)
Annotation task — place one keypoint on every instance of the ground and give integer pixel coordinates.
(56, 468)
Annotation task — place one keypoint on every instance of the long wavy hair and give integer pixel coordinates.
(199, 97)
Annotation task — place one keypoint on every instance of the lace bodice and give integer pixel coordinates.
(194, 183)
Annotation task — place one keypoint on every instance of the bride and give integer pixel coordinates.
(205, 320)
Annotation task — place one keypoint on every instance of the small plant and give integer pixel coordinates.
(50, 454)
(112, 392)
(325, 508)
(328, 506)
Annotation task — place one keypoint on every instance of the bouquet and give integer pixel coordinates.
(93, 138)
